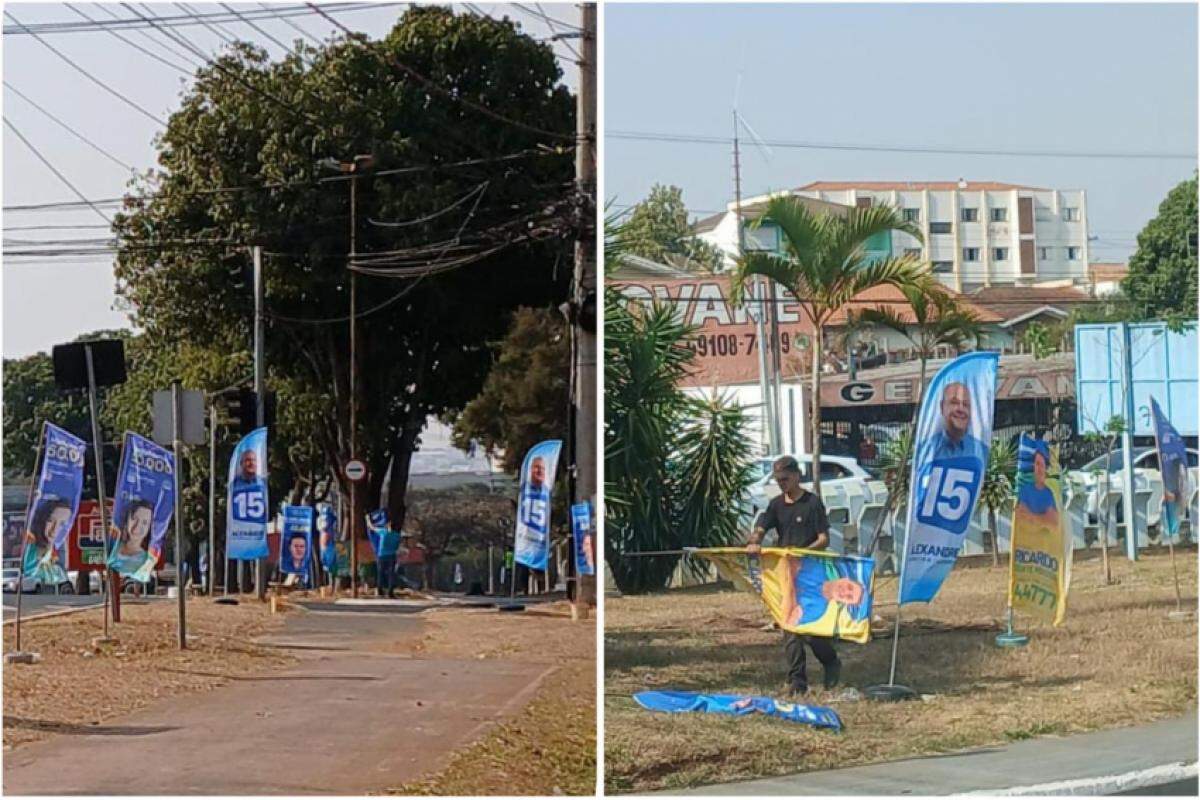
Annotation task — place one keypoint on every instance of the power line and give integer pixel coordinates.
(91, 77)
(221, 33)
(187, 57)
(250, 23)
(58, 174)
(675, 138)
(135, 45)
(551, 21)
(192, 19)
(430, 84)
(297, 28)
(68, 128)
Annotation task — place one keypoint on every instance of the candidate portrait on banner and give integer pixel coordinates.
(1039, 570)
(296, 552)
(1173, 466)
(142, 509)
(55, 504)
(953, 435)
(246, 514)
(534, 504)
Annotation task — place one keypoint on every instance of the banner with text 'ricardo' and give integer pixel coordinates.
(246, 515)
(952, 440)
(533, 507)
(1040, 567)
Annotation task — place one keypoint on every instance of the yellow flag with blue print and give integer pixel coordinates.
(1039, 573)
(809, 592)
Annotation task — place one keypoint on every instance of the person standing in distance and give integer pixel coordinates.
(799, 517)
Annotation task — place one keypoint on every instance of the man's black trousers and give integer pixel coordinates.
(793, 647)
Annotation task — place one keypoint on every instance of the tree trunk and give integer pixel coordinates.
(818, 349)
(995, 537)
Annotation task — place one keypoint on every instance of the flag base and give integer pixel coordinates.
(22, 657)
(889, 693)
(511, 607)
(1010, 639)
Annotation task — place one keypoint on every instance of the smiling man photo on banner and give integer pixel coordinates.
(55, 504)
(297, 542)
(953, 432)
(246, 515)
(533, 509)
(142, 509)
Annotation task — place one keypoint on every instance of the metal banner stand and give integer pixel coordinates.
(1010, 638)
(891, 691)
(19, 656)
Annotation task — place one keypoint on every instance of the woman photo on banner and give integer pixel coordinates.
(55, 504)
(143, 508)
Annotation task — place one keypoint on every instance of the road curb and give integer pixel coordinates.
(1105, 784)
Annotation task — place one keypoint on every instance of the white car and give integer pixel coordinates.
(93, 579)
(29, 585)
(845, 487)
(1090, 477)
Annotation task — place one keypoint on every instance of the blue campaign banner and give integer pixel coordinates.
(738, 705)
(55, 504)
(533, 507)
(297, 540)
(953, 436)
(384, 540)
(581, 533)
(142, 509)
(1172, 462)
(246, 515)
(327, 533)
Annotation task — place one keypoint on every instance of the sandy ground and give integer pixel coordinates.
(1117, 660)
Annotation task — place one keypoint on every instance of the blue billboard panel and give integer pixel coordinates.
(1162, 364)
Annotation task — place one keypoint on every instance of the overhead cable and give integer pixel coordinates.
(57, 174)
(68, 128)
(135, 45)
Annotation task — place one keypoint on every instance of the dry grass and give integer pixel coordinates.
(549, 747)
(76, 685)
(1116, 660)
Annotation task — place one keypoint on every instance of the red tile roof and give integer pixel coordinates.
(1013, 301)
(1107, 271)
(891, 298)
(887, 186)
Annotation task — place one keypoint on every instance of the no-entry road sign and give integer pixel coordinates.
(355, 470)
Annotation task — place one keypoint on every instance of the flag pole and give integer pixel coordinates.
(18, 656)
(1008, 638)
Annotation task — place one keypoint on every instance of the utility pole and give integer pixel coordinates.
(768, 405)
(260, 368)
(584, 279)
(97, 450)
(177, 439)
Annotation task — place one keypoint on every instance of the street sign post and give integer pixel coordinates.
(355, 470)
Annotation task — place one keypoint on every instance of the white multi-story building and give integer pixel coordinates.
(975, 233)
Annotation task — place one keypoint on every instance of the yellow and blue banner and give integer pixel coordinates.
(246, 515)
(533, 507)
(810, 592)
(1039, 574)
(583, 537)
(297, 540)
(738, 705)
(952, 439)
(1172, 462)
(55, 504)
(143, 507)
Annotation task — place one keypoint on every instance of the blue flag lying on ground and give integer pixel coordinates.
(739, 705)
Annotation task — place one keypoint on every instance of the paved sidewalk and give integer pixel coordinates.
(1120, 760)
(343, 721)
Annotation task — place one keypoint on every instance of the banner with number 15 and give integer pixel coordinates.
(952, 439)
(246, 517)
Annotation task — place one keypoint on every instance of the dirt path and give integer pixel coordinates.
(348, 717)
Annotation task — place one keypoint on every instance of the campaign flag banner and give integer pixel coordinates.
(953, 436)
(385, 542)
(297, 540)
(143, 507)
(246, 514)
(738, 705)
(581, 533)
(810, 592)
(533, 508)
(55, 504)
(327, 534)
(1039, 572)
(1172, 462)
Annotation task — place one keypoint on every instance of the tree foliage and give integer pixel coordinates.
(460, 183)
(1163, 272)
(676, 468)
(449, 522)
(524, 399)
(658, 229)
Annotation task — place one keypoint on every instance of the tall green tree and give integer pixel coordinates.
(460, 218)
(1162, 273)
(657, 228)
(524, 399)
(675, 468)
(823, 263)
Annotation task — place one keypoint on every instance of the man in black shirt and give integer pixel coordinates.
(799, 517)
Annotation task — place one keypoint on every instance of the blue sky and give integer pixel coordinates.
(48, 303)
(1084, 78)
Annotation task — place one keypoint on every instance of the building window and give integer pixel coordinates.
(1000, 254)
(1070, 214)
(970, 254)
(970, 215)
(939, 227)
(943, 266)
(914, 252)
(912, 215)
(1073, 253)
(999, 215)
(1043, 254)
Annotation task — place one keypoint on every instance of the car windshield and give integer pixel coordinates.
(10, 573)
(1115, 461)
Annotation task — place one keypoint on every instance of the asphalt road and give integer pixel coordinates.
(32, 604)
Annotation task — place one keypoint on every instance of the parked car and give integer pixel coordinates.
(837, 473)
(1090, 477)
(32, 585)
(93, 579)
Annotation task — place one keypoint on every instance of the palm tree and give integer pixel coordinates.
(824, 265)
(997, 489)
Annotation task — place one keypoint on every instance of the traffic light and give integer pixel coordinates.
(243, 407)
